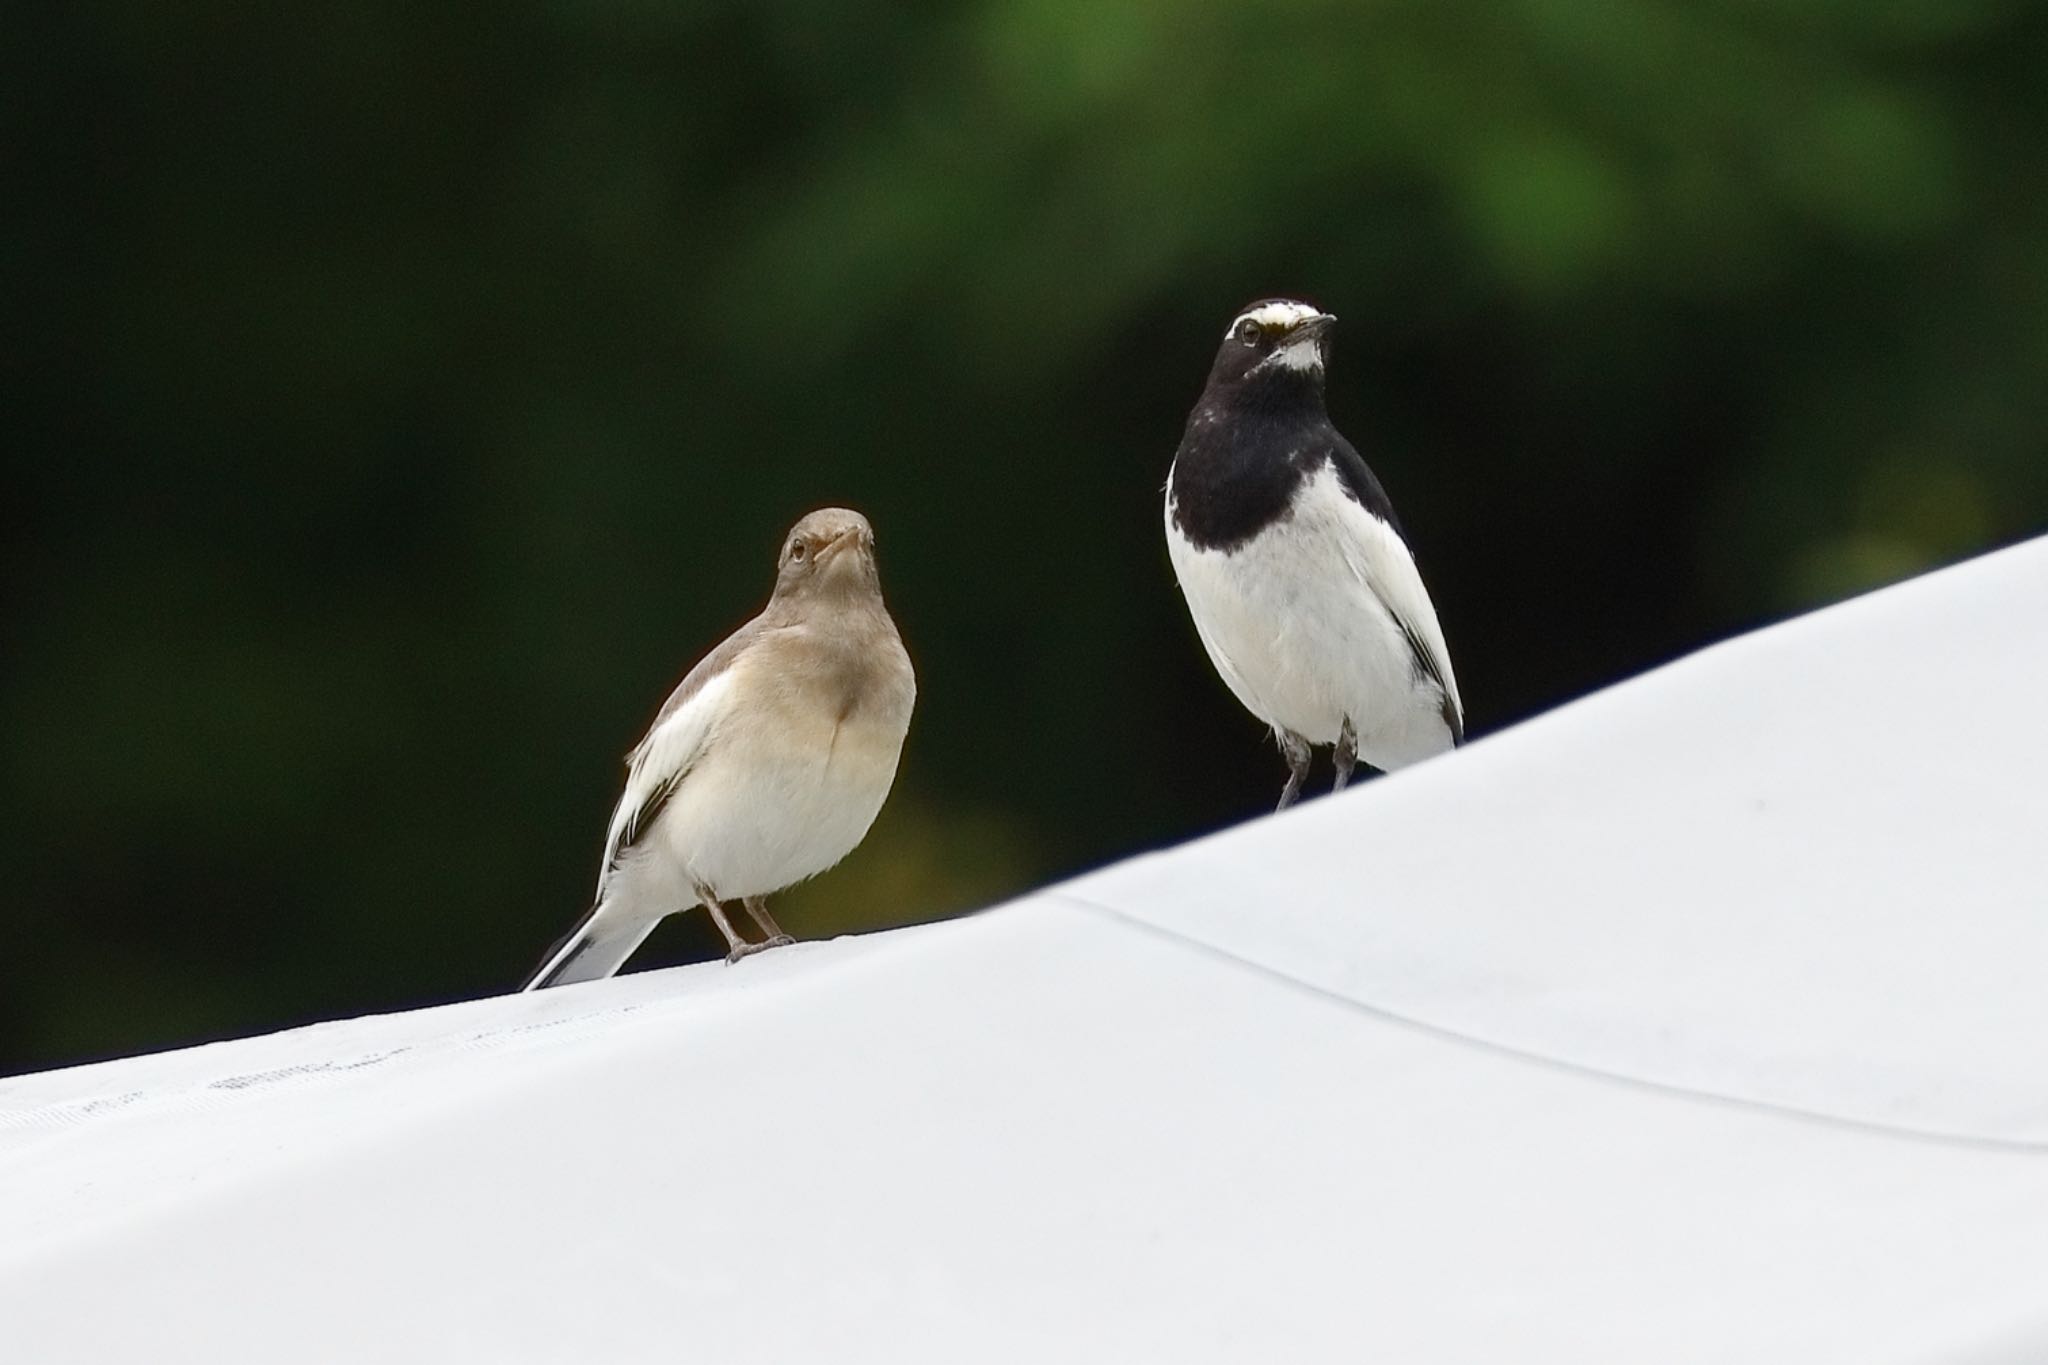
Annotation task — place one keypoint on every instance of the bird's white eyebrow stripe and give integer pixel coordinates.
(1279, 313)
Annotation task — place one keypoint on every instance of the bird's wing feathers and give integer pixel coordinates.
(1389, 570)
(672, 746)
(1358, 480)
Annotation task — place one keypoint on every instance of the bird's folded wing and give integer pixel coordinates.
(680, 735)
(1384, 562)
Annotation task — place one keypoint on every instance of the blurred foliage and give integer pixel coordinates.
(400, 395)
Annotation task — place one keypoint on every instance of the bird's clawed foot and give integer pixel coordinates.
(745, 949)
(757, 907)
(737, 946)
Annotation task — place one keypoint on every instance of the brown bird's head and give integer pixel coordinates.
(830, 552)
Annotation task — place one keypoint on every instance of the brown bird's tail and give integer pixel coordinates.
(597, 947)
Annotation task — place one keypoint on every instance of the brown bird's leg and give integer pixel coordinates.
(740, 947)
(757, 906)
(1296, 751)
(1346, 754)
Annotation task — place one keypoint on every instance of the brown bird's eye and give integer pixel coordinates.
(1248, 332)
(798, 551)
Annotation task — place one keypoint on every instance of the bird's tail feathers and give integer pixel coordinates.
(597, 947)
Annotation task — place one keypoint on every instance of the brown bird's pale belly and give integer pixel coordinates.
(785, 793)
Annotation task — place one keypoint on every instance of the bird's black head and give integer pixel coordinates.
(1274, 349)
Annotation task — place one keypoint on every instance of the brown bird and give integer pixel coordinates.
(766, 765)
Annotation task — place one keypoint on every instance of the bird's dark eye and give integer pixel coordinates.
(798, 552)
(1248, 332)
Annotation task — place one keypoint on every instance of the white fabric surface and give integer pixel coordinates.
(1695, 1022)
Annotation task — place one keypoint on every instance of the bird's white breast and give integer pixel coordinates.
(1294, 624)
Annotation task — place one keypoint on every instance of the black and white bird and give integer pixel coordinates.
(1293, 563)
(767, 764)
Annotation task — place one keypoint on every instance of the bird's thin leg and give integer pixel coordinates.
(1296, 751)
(1346, 754)
(739, 946)
(757, 906)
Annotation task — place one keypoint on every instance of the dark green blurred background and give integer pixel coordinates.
(400, 395)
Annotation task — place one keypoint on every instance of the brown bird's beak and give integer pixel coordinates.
(853, 535)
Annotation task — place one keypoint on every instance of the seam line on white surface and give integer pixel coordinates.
(555, 1022)
(1871, 1126)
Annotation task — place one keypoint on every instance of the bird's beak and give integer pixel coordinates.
(1312, 327)
(853, 535)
